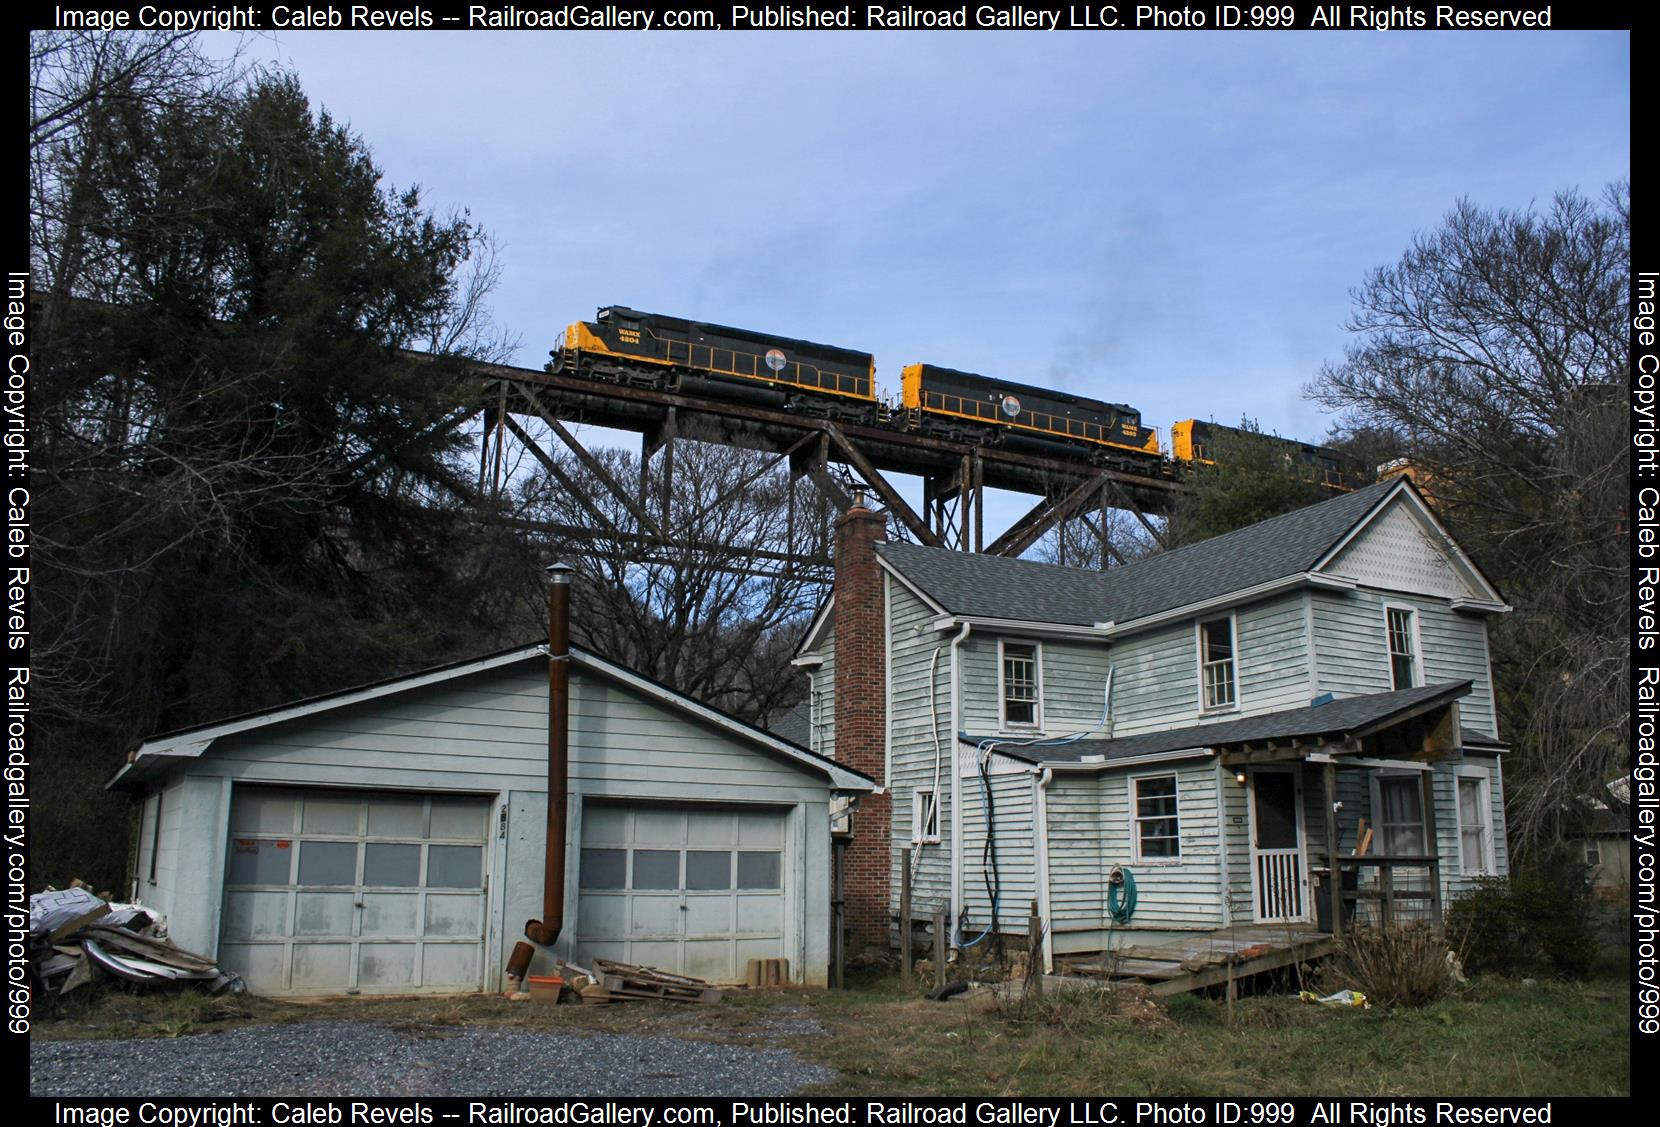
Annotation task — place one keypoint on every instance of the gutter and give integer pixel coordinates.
(956, 787)
(1040, 854)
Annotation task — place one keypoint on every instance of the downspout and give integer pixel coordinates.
(1040, 851)
(545, 931)
(956, 787)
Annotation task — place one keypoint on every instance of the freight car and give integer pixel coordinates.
(626, 346)
(1193, 440)
(974, 408)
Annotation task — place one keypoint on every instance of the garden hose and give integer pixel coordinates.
(1121, 894)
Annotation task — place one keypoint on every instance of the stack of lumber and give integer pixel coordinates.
(584, 983)
(76, 938)
(623, 981)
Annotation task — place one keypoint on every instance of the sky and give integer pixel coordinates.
(1169, 220)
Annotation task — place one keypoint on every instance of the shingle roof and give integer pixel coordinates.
(997, 587)
(796, 725)
(1338, 718)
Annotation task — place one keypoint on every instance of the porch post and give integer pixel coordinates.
(1331, 849)
(1431, 843)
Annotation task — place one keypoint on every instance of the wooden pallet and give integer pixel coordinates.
(623, 980)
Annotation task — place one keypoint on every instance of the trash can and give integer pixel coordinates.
(1322, 897)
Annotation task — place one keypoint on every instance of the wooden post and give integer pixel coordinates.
(1034, 951)
(1386, 873)
(1331, 849)
(942, 945)
(1432, 845)
(905, 923)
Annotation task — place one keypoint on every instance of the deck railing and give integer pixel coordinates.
(1389, 892)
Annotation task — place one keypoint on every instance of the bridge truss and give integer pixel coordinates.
(534, 411)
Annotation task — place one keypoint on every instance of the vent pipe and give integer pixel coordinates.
(546, 930)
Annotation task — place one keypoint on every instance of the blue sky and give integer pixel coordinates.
(1170, 220)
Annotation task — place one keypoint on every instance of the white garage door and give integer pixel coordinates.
(332, 891)
(692, 890)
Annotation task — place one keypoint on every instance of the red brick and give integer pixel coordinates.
(861, 717)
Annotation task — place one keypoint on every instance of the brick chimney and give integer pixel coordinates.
(861, 718)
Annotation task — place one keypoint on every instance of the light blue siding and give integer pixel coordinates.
(1155, 680)
(922, 746)
(1353, 652)
(1092, 830)
(1011, 809)
(1073, 675)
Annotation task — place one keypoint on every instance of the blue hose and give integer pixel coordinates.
(1121, 906)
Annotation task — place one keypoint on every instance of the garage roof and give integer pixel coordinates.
(162, 751)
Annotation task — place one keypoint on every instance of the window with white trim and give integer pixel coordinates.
(925, 815)
(1157, 821)
(1020, 684)
(1217, 686)
(1593, 852)
(1402, 627)
(1475, 832)
(1398, 813)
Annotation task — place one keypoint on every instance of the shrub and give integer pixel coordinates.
(1405, 965)
(1541, 916)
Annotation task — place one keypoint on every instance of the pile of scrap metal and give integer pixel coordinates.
(76, 938)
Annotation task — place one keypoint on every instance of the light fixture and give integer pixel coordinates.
(1239, 776)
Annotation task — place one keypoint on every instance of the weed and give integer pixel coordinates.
(1406, 964)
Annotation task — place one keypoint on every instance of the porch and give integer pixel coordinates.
(1202, 959)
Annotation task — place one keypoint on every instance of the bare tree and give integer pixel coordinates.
(1494, 353)
(701, 594)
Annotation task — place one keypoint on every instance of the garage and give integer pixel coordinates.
(393, 837)
(695, 890)
(336, 891)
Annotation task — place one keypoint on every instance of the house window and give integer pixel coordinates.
(1022, 688)
(1403, 647)
(1400, 816)
(1475, 841)
(1593, 853)
(1216, 668)
(1157, 826)
(925, 815)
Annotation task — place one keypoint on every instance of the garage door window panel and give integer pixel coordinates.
(391, 865)
(604, 869)
(328, 862)
(254, 861)
(656, 869)
(759, 870)
(454, 866)
(708, 870)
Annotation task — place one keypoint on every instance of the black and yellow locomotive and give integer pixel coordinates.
(1195, 441)
(626, 346)
(975, 408)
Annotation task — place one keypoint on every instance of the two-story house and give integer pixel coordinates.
(1206, 727)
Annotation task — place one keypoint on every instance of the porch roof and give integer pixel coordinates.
(1336, 722)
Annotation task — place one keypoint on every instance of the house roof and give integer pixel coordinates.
(1344, 718)
(995, 587)
(190, 743)
(796, 725)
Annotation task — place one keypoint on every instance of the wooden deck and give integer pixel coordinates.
(1176, 966)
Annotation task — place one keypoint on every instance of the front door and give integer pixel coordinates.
(1279, 873)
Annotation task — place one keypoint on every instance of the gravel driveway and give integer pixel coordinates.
(350, 1058)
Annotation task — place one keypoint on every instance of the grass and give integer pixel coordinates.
(1495, 1037)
